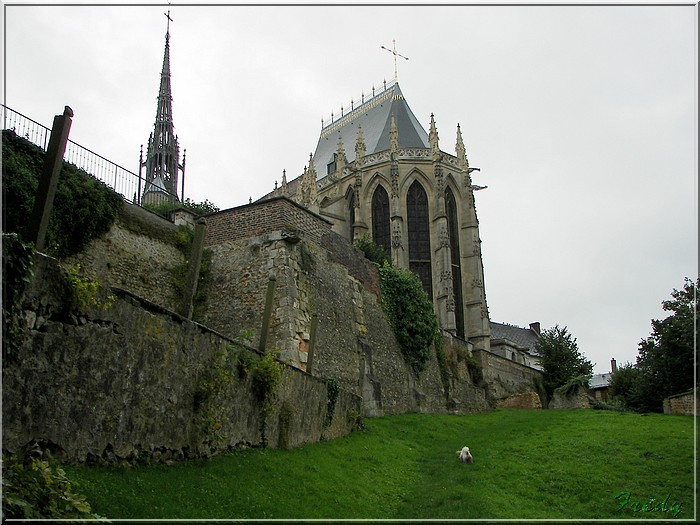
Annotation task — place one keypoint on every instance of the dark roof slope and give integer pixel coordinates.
(600, 381)
(523, 337)
(374, 116)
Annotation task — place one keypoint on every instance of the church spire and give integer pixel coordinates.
(163, 153)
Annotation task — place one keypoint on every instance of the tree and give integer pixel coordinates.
(560, 359)
(624, 386)
(665, 359)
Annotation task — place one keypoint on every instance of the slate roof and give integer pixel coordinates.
(522, 337)
(600, 381)
(374, 115)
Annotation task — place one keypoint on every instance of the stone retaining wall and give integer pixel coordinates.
(139, 254)
(136, 382)
(681, 404)
(505, 377)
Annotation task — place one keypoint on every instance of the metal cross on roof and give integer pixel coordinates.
(167, 15)
(393, 52)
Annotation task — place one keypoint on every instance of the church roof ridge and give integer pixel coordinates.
(375, 117)
(391, 90)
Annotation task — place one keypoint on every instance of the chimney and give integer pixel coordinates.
(613, 365)
(535, 327)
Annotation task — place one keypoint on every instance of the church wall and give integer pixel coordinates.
(135, 382)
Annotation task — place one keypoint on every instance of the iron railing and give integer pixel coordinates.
(127, 183)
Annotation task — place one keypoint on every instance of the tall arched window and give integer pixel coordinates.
(351, 204)
(453, 230)
(381, 227)
(419, 236)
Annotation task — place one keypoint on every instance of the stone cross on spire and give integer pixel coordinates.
(393, 52)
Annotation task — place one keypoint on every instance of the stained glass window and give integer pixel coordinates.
(419, 236)
(453, 230)
(381, 226)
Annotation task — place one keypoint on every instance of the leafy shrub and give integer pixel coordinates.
(573, 385)
(410, 314)
(613, 405)
(373, 251)
(333, 387)
(166, 207)
(86, 292)
(475, 371)
(32, 489)
(83, 208)
(355, 420)
(267, 375)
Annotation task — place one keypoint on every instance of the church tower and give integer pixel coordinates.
(378, 173)
(162, 163)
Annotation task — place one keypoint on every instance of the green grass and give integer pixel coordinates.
(528, 464)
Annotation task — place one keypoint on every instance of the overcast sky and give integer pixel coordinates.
(583, 120)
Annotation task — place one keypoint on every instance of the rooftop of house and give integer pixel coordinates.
(600, 381)
(522, 337)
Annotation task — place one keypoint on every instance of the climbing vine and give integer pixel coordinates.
(410, 314)
(17, 274)
(86, 291)
(333, 387)
(267, 376)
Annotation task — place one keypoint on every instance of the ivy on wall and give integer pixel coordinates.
(17, 274)
(83, 208)
(406, 306)
(410, 314)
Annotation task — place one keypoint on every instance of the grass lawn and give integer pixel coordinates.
(553, 464)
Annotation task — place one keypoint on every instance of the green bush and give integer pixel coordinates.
(86, 292)
(32, 489)
(573, 385)
(410, 314)
(166, 207)
(333, 387)
(373, 251)
(267, 376)
(83, 208)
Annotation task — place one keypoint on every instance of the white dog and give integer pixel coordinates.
(465, 456)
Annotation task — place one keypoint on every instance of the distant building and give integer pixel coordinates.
(599, 383)
(516, 343)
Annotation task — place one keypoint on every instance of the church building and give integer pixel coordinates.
(376, 172)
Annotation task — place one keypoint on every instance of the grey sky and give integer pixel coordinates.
(583, 120)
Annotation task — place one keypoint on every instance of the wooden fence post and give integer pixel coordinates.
(53, 162)
(194, 267)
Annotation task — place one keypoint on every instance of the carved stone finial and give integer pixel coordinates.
(359, 147)
(394, 135)
(433, 137)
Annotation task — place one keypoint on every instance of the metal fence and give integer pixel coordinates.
(127, 183)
